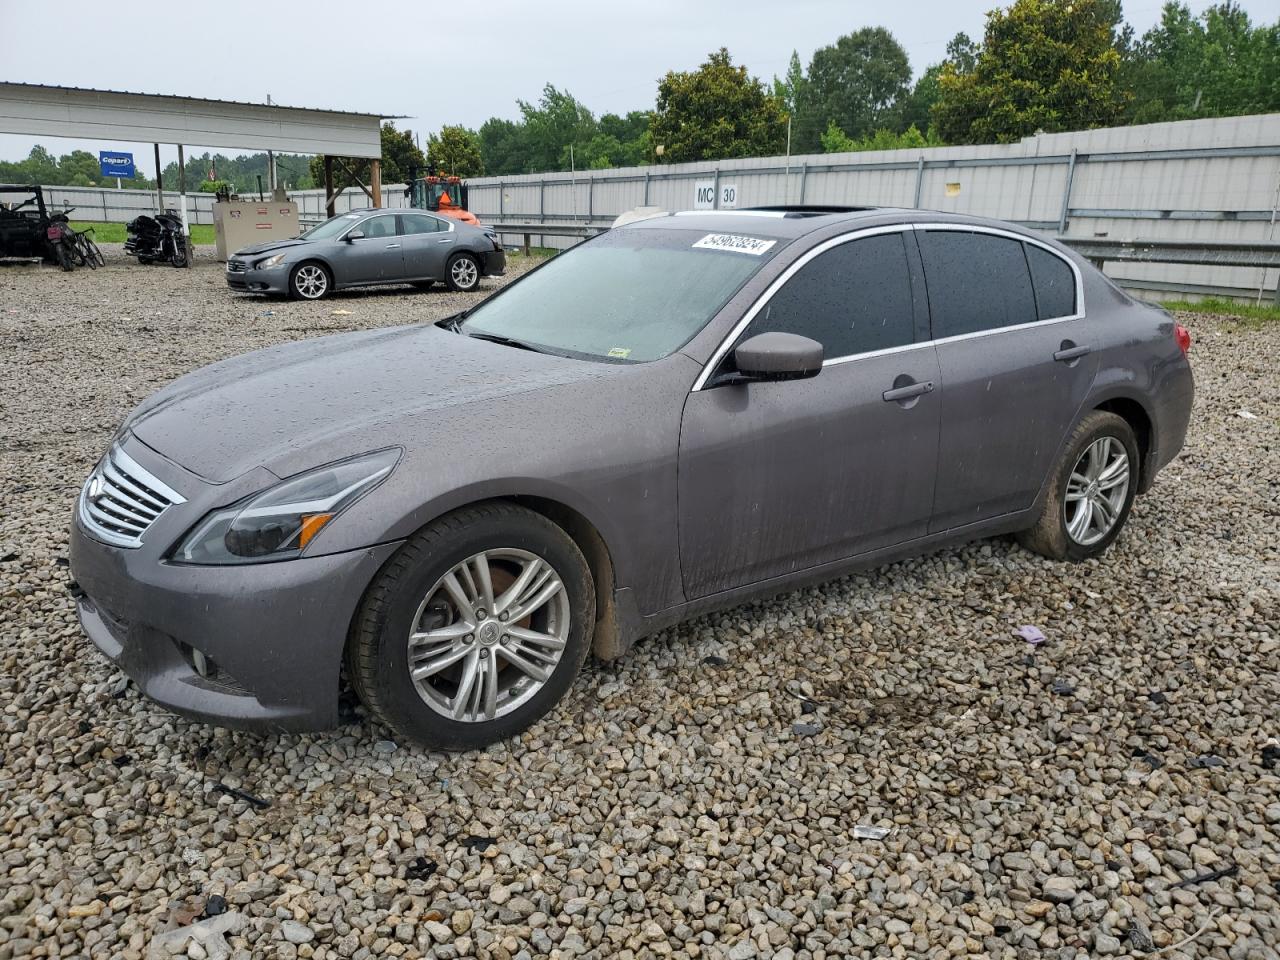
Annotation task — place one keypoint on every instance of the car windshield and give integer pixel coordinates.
(332, 228)
(628, 295)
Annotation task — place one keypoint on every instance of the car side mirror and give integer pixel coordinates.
(354, 235)
(778, 356)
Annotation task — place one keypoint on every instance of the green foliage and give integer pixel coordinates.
(1249, 315)
(456, 151)
(716, 111)
(859, 83)
(213, 186)
(542, 138)
(1218, 64)
(241, 172)
(1044, 65)
(834, 140)
(790, 88)
(400, 156)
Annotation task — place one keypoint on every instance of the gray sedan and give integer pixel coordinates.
(369, 247)
(674, 417)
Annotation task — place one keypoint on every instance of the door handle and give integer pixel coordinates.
(1071, 352)
(393, 246)
(445, 240)
(909, 391)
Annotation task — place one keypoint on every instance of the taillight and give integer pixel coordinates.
(1183, 336)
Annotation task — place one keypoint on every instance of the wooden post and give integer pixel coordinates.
(330, 208)
(375, 181)
(526, 244)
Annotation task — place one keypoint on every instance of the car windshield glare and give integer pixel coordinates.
(332, 227)
(629, 295)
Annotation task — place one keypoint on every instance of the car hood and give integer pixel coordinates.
(260, 248)
(299, 405)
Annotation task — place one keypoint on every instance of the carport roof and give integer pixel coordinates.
(36, 109)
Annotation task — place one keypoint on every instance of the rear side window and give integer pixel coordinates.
(411, 223)
(854, 298)
(1054, 283)
(977, 281)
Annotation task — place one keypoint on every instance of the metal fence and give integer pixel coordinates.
(1192, 181)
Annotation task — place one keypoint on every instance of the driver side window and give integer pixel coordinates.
(854, 298)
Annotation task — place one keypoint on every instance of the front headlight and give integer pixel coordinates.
(270, 262)
(279, 522)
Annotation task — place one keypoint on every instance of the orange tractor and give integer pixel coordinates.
(444, 195)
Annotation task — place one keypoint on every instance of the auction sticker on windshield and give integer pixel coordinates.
(734, 243)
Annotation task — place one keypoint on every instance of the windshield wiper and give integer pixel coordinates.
(505, 341)
(454, 323)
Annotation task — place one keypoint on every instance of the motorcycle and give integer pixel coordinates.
(62, 242)
(158, 239)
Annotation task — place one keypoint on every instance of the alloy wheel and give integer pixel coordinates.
(488, 636)
(1096, 491)
(464, 272)
(311, 281)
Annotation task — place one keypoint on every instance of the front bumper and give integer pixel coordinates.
(269, 637)
(249, 280)
(495, 263)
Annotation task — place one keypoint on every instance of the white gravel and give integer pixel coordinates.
(670, 806)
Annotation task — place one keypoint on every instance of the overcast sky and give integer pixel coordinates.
(444, 63)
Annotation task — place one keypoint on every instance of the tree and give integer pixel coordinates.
(1215, 65)
(716, 112)
(834, 140)
(400, 156)
(790, 88)
(858, 83)
(456, 151)
(1044, 65)
(502, 146)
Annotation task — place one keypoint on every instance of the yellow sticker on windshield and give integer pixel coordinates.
(620, 352)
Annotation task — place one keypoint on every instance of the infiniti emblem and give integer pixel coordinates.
(95, 491)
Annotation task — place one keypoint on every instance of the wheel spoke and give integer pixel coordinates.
(1076, 485)
(513, 593)
(466, 685)
(491, 688)
(1105, 512)
(459, 596)
(1116, 473)
(1080, 521)
(433, 666)
(535, 637)
(451, 632)
(484, 581)
(551, 585)
(517, 660)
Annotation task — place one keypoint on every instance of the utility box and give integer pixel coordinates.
(239, 223)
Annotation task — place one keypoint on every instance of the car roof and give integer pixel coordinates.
(791, 222)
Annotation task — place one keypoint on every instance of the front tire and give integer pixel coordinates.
(1091, 492)
(309, 281)
(475, 629)
(463, 273)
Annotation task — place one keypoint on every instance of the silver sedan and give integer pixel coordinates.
(367, 248)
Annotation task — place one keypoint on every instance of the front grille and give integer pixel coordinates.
(236, 266)
(121, 500)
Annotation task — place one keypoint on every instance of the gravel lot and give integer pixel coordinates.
(1043, 804)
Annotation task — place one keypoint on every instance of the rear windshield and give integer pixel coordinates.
(626, 296)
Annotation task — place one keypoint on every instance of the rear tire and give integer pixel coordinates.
(459, 670)
(463, 273)
(1091, 491)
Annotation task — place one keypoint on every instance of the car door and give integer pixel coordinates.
(1016, 362)
(371, 253)
(427, 243)
(780, 477)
